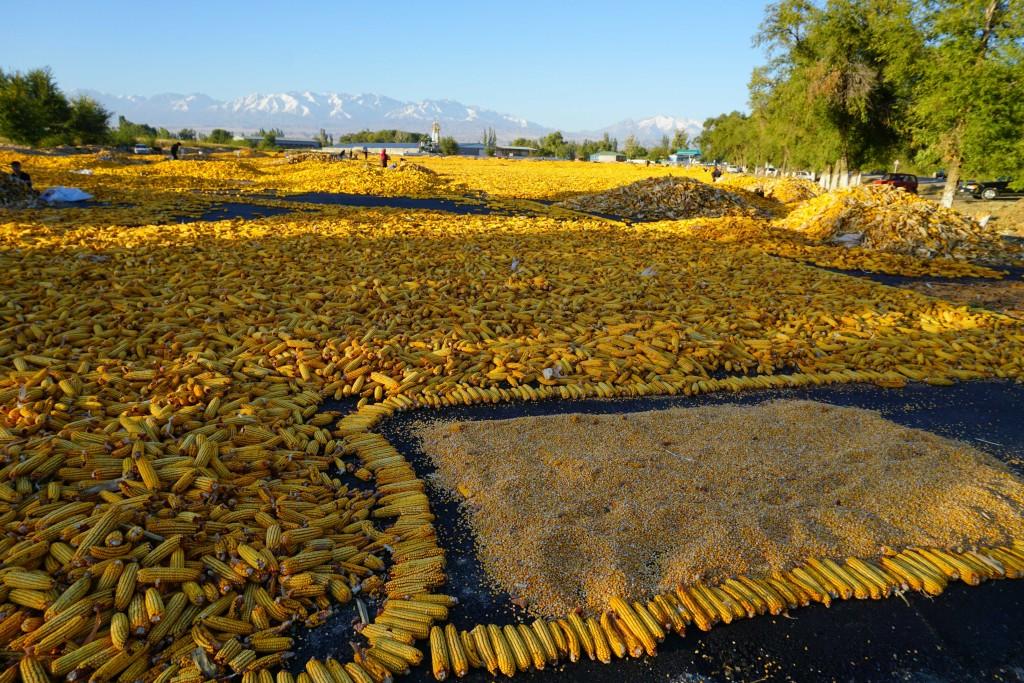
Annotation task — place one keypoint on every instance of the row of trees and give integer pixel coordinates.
(33, 111)
(852, 84)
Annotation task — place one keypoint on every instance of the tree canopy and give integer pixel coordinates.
(34, 111)
(849, 84)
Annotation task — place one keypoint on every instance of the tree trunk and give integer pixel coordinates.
(844, 178)
(952, 180)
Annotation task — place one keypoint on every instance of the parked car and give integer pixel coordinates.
(941, 174)
(141, 149)
(907, 181)
(804, 175)
(1000, 187)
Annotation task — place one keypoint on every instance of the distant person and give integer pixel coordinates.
(716, 174)
(366, 153)
(18, 174)
(384, 158)
(174, 150)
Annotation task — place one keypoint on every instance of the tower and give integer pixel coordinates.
(435, 134)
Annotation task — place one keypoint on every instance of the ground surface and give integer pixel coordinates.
(234, 297)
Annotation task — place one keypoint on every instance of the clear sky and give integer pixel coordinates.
(563, 64)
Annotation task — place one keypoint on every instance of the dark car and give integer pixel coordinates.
(907, 181)
(1000, 187)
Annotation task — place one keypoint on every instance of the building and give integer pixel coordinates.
(514, 152)
(395, 149)
(607, 155)
(286, 143)
(472, 149)
(684, 157)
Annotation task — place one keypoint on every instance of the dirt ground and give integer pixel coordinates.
(1007, 215)
(1003, 296)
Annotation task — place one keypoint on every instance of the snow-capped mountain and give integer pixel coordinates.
(303, 114)
(649, 131)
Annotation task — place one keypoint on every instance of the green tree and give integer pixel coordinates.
(32, 107)
(187, 134)
(220, 136)
(89, 122)
(968, 110)
(490, 141)
(163, 133)
(836, 84)
(269, 140)
(680, 140)
(632, 148)
(449, 146)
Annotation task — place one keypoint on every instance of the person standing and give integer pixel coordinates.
(174, 150)
(384, 158)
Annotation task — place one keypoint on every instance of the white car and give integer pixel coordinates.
(141, 149)
(805, 175)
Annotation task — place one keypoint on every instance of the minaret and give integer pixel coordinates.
(435, 134)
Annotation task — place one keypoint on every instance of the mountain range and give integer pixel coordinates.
(303, 114)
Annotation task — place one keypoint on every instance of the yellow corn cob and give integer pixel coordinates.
(634, 624)
(533, 646)
(395, 665)
(838, 581)
(154, 605)
(32, 671)
(469, 647)
(36, 600)
(546, 640)
(763, 590)
(702, 617)
(794, 596)
(572, 641)
(519, 650)
(931, 577)
(742, 595)
(377, 672)
(502, 650)
(120, 630)
(29, 580)
(809, 583)
(406, 652)
(439, 661)
(583, 634)
(62, 635)
(126, 586)
(649, 622)
(227, 625)
(357, 673)
(318, 671)
(615, 642)
(137, 615)
(601, 647)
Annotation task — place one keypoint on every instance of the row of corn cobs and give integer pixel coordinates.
(635, 629)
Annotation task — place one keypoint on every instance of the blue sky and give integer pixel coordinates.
(569, 65)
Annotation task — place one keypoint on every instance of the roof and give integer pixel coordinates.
(608, 151)
(688, 152)
(376, 145)
(530, 149)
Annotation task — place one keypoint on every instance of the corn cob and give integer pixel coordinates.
(634, 624)
(583, 634)
(502, 650)
(440, 664)
(546, 640)
(601, 647)
(572, 641)
(474, 659)
(520, 652)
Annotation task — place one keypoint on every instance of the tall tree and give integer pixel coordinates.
(838, 75)
(680, 140)
(32, 107)
(969, 111)
(88, 123)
